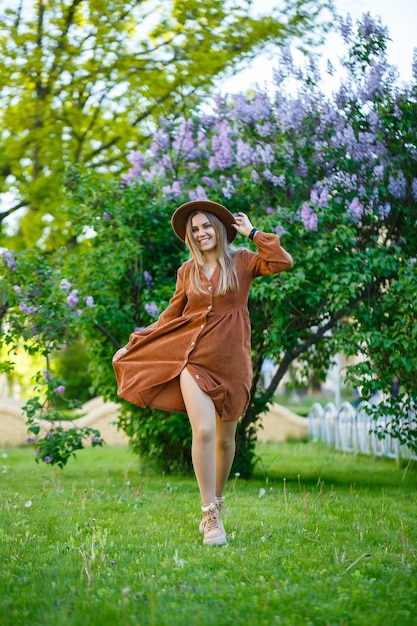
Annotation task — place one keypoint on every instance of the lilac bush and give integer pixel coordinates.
(334, 176)
(43, 323)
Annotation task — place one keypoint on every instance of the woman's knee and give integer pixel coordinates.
(225, 442)
(203, 433)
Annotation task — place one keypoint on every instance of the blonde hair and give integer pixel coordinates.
(224, 256)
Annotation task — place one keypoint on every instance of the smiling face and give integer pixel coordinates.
(203, 233)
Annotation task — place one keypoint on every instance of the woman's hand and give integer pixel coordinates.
(119, 354)
(243, 224)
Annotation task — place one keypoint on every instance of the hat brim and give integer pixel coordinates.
(179, 218)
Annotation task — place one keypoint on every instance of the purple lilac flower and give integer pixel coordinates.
(242, 109)
(106, 216)
(47, 375)
(33, 330)
(314, 222)
(17, 289)
(286, 57)
(60, 389)
(96, 439)
(138, 162)
(72, 299)
(201, 192)
(355, 208)
(160, 142)
(264, 130)
(384, 210)
(206, 120)
(9, 259)
(210, 182)
(397, 186)
(29, 439)
(314, 196)
(309, 218)
(372, 26)
(151, 309)
(202, 141)
(29, 310)
(173, 191)
(89, 302)
(269, 210)
(262, 106)
(64, 285)
(414, 64)
(414, 188)
(147, 276)
(324, 196)
(278, 76)
(176, 188)
(139, 329)
(279, 230)
(378, 172)
(302, 167)
(184, 143)
(243, 153)
(49, 434)
(346, 28)
(305, 213)
(264, 154)
(222, 157)
(166, 190)
(373, 83)
(228, 188)
(47, 459)
(278, 181)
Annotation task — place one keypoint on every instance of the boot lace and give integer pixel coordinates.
(211, 520)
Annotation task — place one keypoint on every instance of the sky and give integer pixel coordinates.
(399, 16)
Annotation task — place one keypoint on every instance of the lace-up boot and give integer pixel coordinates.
(214, 533)
(219, 506)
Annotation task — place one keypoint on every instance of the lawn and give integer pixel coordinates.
(316, 537)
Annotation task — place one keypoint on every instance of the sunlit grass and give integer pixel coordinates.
(317, 537)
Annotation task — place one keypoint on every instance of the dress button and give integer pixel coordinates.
(197, 375)
(210, 288)
(192, 343)
(209, 307)
(202, 325)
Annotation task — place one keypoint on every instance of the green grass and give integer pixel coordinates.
(317, 537)
(301, 404)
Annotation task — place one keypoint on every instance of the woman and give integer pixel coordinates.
(196, 357)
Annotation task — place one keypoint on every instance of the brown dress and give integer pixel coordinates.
(208, 334)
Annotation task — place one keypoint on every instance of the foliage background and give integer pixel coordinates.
(334, 177)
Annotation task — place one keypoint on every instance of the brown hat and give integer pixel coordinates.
(179, 218)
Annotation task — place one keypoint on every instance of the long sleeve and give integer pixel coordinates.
(271, 258)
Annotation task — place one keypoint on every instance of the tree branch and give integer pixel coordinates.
(12, 209)
(108, 334)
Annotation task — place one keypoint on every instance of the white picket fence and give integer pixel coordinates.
(351, 429)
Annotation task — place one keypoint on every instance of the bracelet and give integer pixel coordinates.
(252, 233)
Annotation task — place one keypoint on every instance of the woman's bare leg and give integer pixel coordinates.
(202, 416)
(225, 447)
